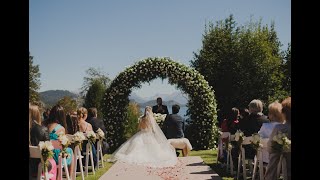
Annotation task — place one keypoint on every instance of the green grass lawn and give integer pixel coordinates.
(208, 156)
(99, 172)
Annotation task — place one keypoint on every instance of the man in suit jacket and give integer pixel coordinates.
(173, 125)
(96, 124)
(160, 108)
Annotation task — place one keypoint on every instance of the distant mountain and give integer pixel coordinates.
(176, 96)
(153, 103)
(179, 97)
(136, 98)
(51, 97)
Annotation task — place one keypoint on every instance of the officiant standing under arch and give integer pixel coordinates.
(160, 108)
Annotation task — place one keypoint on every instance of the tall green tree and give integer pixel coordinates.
(241, 63)
(69, 104)
(133, 115)
(94, 96)
(93, 88)
(287, 70)
(93, 75)
(34, 81)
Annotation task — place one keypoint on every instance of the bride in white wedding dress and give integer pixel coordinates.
(148, 147)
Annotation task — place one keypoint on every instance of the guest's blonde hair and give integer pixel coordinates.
(275, 113)
(286, 108)
(81, 112)
(34, 114)
(255, 106)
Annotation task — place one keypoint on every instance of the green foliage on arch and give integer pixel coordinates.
(202, 104)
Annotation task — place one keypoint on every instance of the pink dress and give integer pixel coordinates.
(53, 172)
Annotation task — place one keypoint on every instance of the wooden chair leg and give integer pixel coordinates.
(255, 164)
(77, 157)
(87, 159)
(91, 158)
(261, 173)
(40, 167)
(66, 168)
(244, 164)
(101, 155)
(239, 165)
(98, 154)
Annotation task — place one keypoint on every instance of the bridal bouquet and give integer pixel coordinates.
(64, 143)
(100, 134)
(281, 143)
(78, 137)
(91, 136)
(256, 141)
(159, 118)
(46, 151)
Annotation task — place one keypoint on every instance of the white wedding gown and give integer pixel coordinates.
(148, 147)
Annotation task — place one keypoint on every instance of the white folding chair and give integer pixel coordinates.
(282, 166)
(224, 135)
(64, 166)
(99, 153)
(229, 155)
(258, 160)
(89, 153)
(77, 157)
(242, 158)
(35, 152)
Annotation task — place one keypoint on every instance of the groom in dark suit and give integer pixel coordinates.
(160, 108)
(173, 125)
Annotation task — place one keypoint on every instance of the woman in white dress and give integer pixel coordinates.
(148, 147)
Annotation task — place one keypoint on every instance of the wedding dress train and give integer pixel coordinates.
(148, 147)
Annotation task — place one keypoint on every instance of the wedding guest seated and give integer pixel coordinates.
(85, 127)
(274, 155)
(97, 123)
(243, 114)
(56, 119)
(38, 133)
(275, 116)
(173, 125)
(230, 124)
(72, 123)
(253, 124)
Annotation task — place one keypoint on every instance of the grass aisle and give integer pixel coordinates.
(208, 156)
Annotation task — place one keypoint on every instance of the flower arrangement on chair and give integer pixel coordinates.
(100, 134)
(256, 141)
(281, 143)
(239, 136)
(78, 137)
(46, 153)
(159, 118)
(64, 143)
(91, 136)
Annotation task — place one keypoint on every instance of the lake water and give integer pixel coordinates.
(182, 112)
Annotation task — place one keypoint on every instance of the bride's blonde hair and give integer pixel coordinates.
(144, 119)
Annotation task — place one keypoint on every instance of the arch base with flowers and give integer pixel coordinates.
(202, 130)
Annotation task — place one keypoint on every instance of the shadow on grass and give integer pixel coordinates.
(222, 172)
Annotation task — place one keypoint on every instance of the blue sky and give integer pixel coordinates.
(68, 37)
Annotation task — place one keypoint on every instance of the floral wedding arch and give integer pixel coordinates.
(202, 130)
